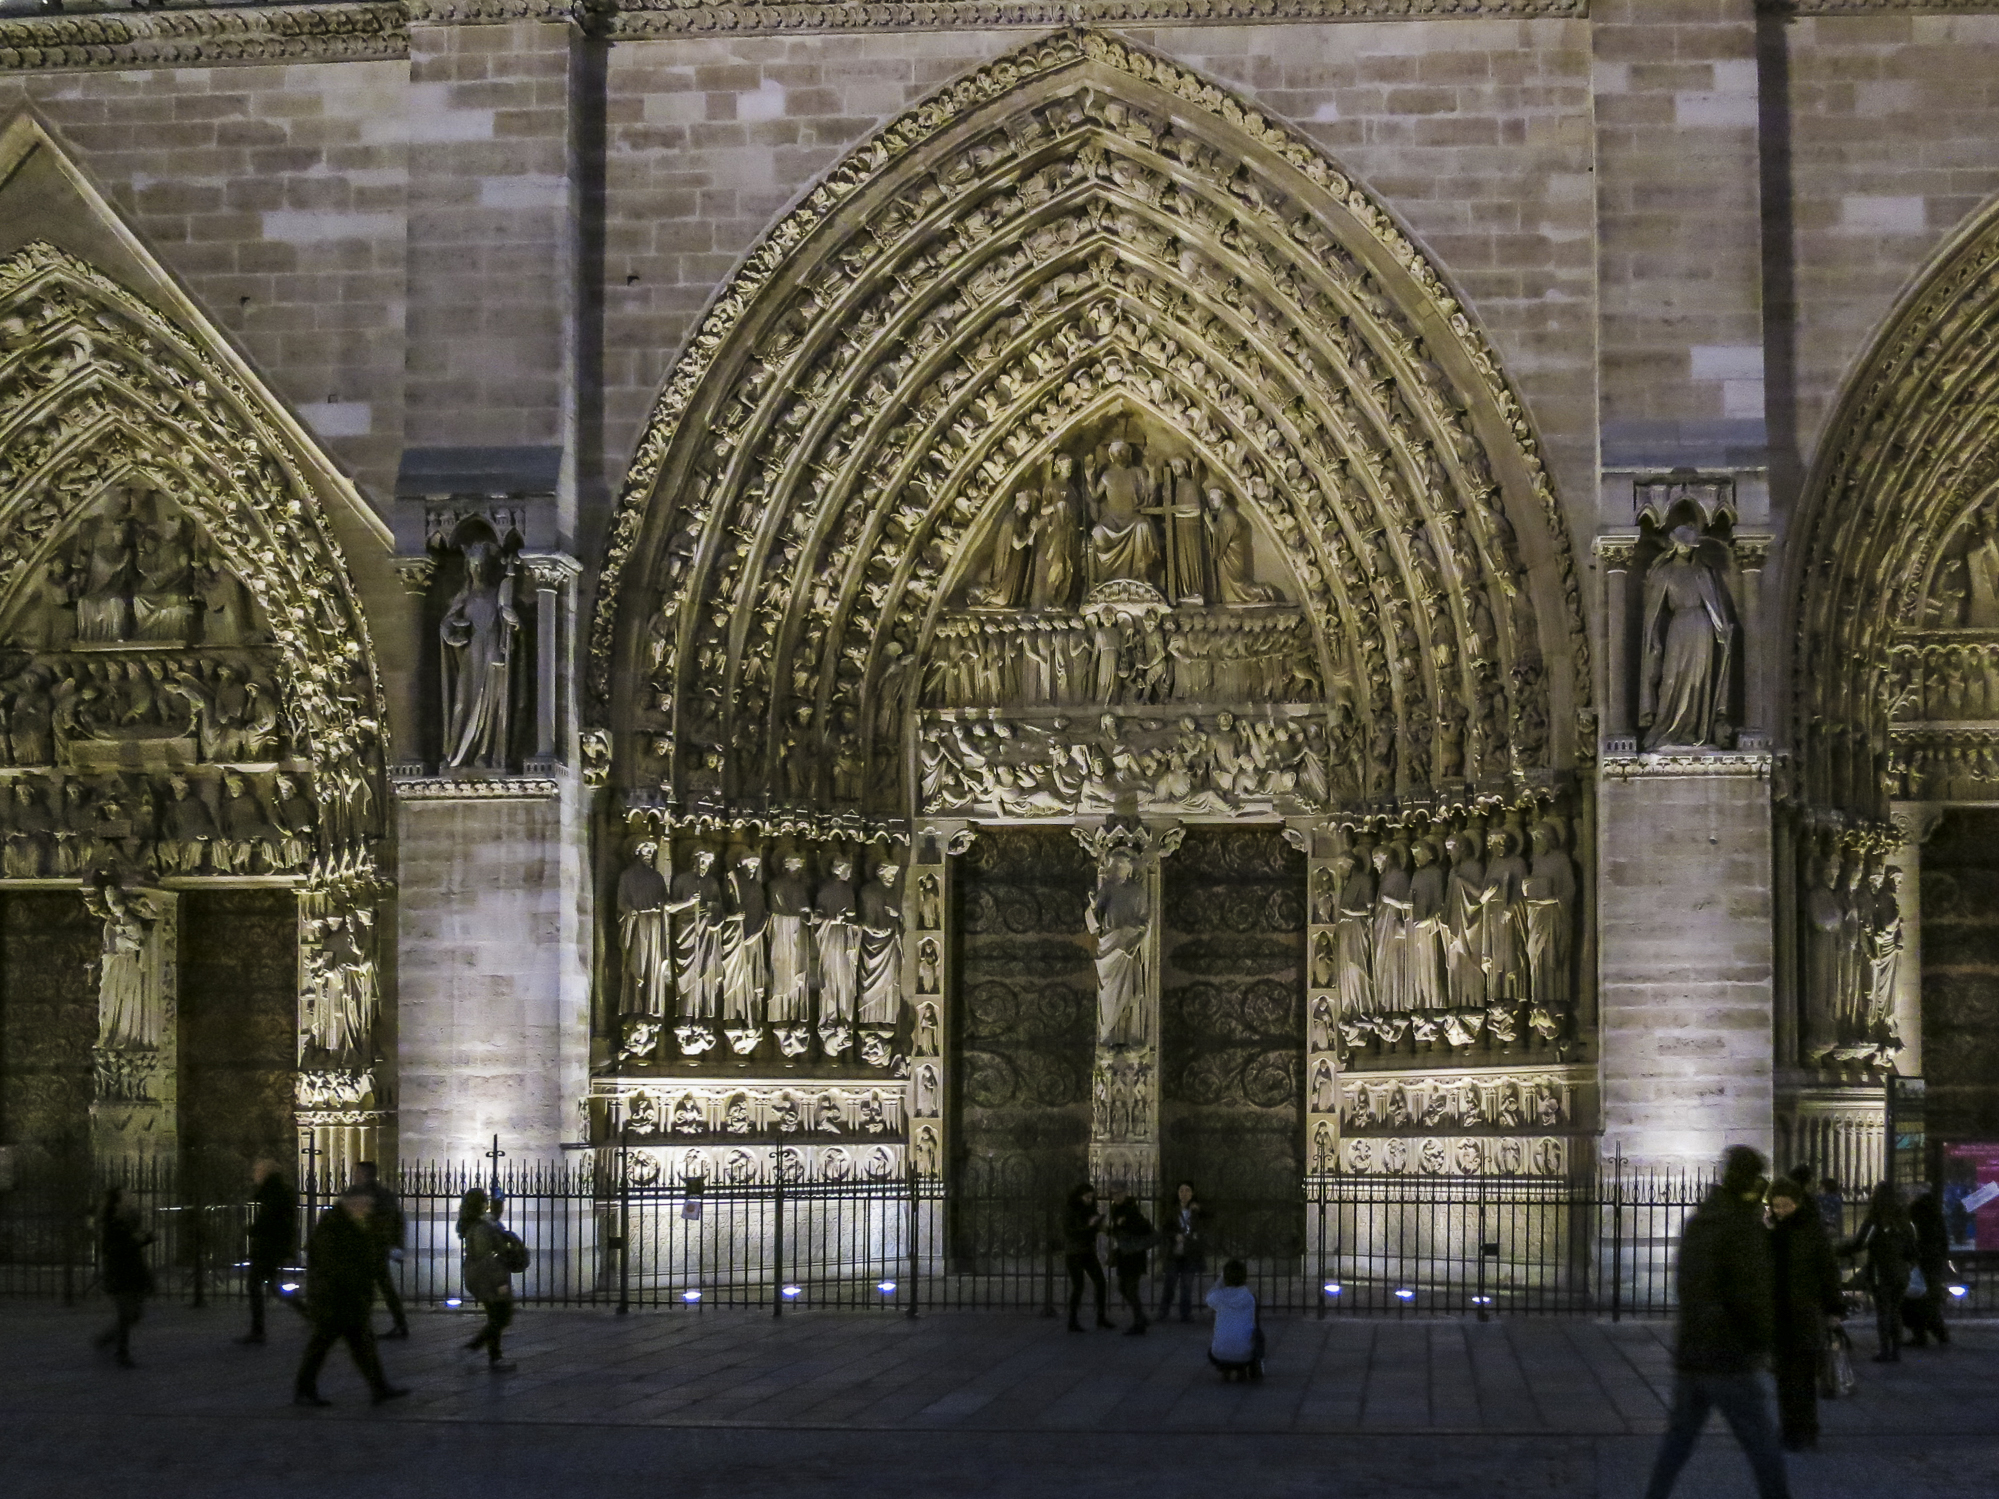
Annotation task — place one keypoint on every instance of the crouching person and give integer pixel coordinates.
(1237, 1346)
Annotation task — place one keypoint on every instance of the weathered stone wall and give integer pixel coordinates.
(1961, 976)
(49, 942)
(238, 1027)
(1684, 888)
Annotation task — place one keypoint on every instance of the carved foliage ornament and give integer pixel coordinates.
(1074, 232)
(122, 440)
(1896, 554)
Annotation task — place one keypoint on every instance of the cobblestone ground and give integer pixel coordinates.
(731, 1403)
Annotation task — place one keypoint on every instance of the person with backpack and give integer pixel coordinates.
(123, 1272)
(1727, 1316)
(1236, 1348)
(339, 1294)
(273, 1239)
(493, 1256)
(1888, 1244)
(1131, 1241)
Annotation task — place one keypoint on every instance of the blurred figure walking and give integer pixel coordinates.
(1924, 1313)
(339, 1294)
(1888, 1243)
(273, 1238)
(1131, 1241)
(122, 1271)
(492, 1255)
(1081, 1223)
(385, 1222)
(1727, 1313)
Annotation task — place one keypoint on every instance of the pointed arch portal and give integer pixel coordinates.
(1079, 243)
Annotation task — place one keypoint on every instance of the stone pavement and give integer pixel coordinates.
(734, 1403)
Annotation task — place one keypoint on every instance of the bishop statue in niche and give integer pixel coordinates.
(478, 635)
(1688, 636)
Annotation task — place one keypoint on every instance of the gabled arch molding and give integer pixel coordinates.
(1886, 578)
(1079, 223)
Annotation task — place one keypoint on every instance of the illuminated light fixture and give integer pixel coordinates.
(1959, 1290)
(1332, 1288)
(1475, 1301)
(290, 1285)
(690, 1296)
(792, 1293)
(453, 1301)
(1401, 1295)
(887, 1288)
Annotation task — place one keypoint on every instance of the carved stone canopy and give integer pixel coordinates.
(1077, 229)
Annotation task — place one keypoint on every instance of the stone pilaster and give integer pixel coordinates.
(1915, 821)
(1684, 875)
(930, 950)
(1322, 1003)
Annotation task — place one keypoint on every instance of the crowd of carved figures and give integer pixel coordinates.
(163, 824)
(731, 952)
(1852, 938)
(1442, 937)
(921, 383)
(1195, 764)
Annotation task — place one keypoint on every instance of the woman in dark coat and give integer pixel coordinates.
(1889, 1244)
(1081, 1223)
(1185, 1257)
(1131, 1239)
(123, 1272)
(1924, 1313)
(1806, 1282)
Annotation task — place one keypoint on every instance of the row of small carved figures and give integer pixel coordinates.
(228, 711)
(1471, 1157)
(1116, 662)
(739, 1167)
(236, 823)
(646, 1114)
(1022, 766)
(1950, 762)
(1947, 682)
(1461, 1030)
(1505, 1105)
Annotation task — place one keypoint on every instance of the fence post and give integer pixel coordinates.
(1319, 1189)
(1484, 1312)
(624, 1219)
(915, 1252)
(777, 1238)
(198, 1245)
(1617, 1239)
(1048, 1264)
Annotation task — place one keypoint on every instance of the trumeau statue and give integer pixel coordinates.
(643, 936)
(1118, 917)
(1688, 636)
(131, 1001)
(478, 635)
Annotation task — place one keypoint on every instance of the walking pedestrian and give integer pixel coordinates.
(1184, 1255)
(1805, 1287)
(1726, 1316)
(273, 1236)
(1131, 1241)
(386, 1223)
(1081, 1223)
(1924, 1313)
(1888, 1244)
(122, 1271)
(339, 1294)
(490, 1260)
(1236, 1347)
(1832, 1209)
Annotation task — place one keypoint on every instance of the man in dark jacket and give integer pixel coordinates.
(385, 1222)
(123, 1272)
(339, 1293)
(273, 1238)
(1924, 1313)
(1806, 1286)
(1727, 1312)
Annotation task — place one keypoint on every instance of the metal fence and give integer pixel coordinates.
(601, 1236)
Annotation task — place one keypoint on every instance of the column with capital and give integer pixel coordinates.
(1915, 822)
(1124, 920)
(930, 951)
(553, 576)
(1615, 553)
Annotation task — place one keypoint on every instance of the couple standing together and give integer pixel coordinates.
(1132, 1240)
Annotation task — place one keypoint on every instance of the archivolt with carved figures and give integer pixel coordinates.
(1082, 283)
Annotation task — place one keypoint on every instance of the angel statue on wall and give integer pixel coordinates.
(478, 634)
(1688, 634)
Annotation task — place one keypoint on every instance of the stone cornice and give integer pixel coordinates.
(365, 30)
(1753, 764)
(642, 18)
(339, 32)
(1876, 7)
